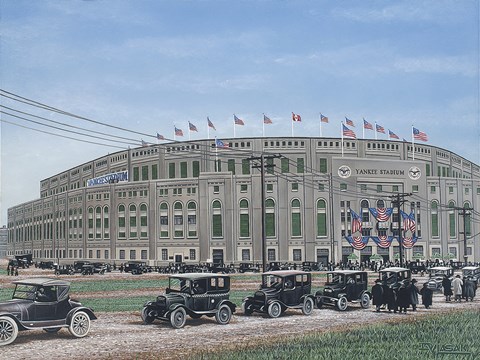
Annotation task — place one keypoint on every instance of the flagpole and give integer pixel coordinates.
(234, 126)
(413, 146)
(216, 155)
(263, 125)
(292, 125)
(189, 131)
(375, 130)
(208, 130)
(363, 128)
(320, 124)
(174, 133)
(341, 132)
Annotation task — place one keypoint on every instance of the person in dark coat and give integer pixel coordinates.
(469, 286)
(389, 298)
(377, 294)
(403, 298)
(413, 292)
(447, 288)
(427, 296)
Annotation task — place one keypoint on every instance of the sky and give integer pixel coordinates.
(152, 65)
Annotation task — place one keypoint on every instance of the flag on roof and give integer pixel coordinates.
(237, 120)
(419, 135)
(210, 124)
(323, 118)
(160, 137)
(367, 125)
(144, 143)
(348, 132)
(380, 128)
(266, 119)
(220, 144)
(349, 122)
(192, 127)
(178, 132)
(296, 117)
(392, 135)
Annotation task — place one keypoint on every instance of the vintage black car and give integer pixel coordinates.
(472, 272)
(437, 274)
(42, 303)
(64, 270)
(394, 277)
(343, 286)
(311, 266)
(248, 267)
(279, 291)
(194, 294)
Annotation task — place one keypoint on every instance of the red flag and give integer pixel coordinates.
(296, 117)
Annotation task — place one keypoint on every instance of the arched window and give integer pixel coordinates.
(468, 219)
(132, 214)
(380, 204)
(192, 219)
(217, 226)
(296, 218)
(244, 219)
(106, 223)
(452, 224)
(90, 222)
(364, 205)
(178, 219)
(321, 218)
(143, 221)
(270, 218)
(121, 221)
(164, 220)
(434, 218)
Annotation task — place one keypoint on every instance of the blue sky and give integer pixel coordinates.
(150, 65)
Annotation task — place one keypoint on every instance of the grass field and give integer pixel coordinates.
(452, 336)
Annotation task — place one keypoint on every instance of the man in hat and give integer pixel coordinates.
(377, 294)
(413, 291)
(457, 285)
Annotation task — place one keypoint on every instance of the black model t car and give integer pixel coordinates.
(437, 274)
(394, 277)
(472, 272)
(194, 294)
(42, 303)
(279, 291)
(343, 286)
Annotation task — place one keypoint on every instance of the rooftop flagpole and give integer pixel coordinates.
(341, 132)
(413, 145)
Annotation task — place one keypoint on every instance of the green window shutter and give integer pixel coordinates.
(321, 224)
(171, 171)
(270, 224)
(183, 169)
(270, 166)
(231, 166)
(323, 166)
(285, 165)
(434, 224)
(196, 168)
(427, 169)
(300, 165)
(145, 172)
(453, 231)
(244, 225)
(154, 172)
(136, 174)
(468, 225)
(296, 222)
(217, 225)
(245, 167)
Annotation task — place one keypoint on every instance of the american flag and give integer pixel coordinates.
(144, 143)
(266, 119)
(356, 227)
(348, 132)
(381, 214)
(392, 135)
(323, 119)
(178, 132)
(296, 117)
(419, 135)
(384, 241)
(367, 125)
(220, 144)
(160, 137)
(210, 124)
(192, 127)
(349, 122)
(380, 128)
(409, 228)
(237, 120)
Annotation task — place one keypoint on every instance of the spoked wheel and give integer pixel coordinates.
(8, 330)
(274, 310)
(80, 324)
(307, 307)
(146, 317)
(365, 301)
(178, 317)
(223, 315)
(342, 303)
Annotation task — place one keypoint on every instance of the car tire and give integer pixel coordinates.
(8, 330)
(52, 330)
(146, 317)
(307, 307)
(246, 308)
(178, 318)
(365, 301)
(342, 303)
(223, 315)
(79, 324)
(274, 309)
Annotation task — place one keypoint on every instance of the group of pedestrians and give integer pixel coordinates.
(12, 270)
(400, 299)
(458, 288)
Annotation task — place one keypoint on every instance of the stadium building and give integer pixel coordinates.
(195, 202)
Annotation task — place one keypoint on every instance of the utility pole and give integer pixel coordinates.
(262, 167)
(464, 212)
(397, 200)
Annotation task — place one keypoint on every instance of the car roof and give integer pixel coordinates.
(195, 276)
(394, 269)
(43, 281)
(470, 267)
(441, 268)
(282, 273)
(346, 272)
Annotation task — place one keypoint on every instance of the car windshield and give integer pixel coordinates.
(180, 285)
(333, 279)
(272, 281)
(438, 273)
(26, 292)
(389, 278)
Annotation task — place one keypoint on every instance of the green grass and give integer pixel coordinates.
(113, 285)
(114, 304)
(419, 339)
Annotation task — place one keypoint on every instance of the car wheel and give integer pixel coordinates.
(8, 330)
(307, 307)
(223, 315)
(52, 330)
(274, 310)
(246, 308)
(146, 317)
(178, 317)
(365, 301)
(342, 303)
(80, 324)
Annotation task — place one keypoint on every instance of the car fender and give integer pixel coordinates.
(302, 299)
(368, 293)
(175, 307)
(230, 304)
(278, 301)
(72, 312)
(19, 323)
(341, 295)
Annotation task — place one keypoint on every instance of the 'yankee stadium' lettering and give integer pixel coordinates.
(380, 172)
(109, 178)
